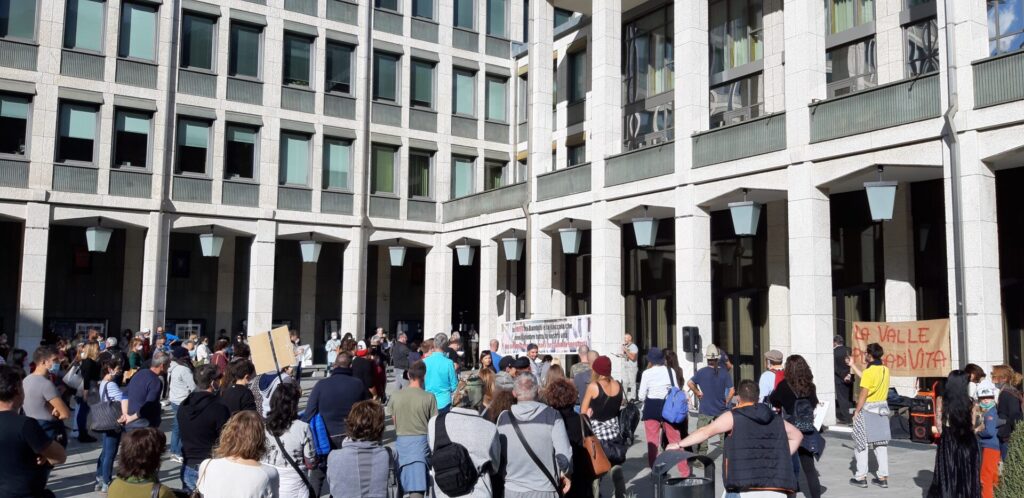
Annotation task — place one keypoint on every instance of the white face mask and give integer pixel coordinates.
(84, 355)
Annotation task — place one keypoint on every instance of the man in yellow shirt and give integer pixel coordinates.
(871, 419)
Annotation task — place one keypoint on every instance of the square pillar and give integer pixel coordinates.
(693, 275)
(490, 311)
(437, 301)
(605, 99)
(778, 276)
(540, 82)
(353, 284)
(383, 297)
(606, 300)
(810, 278)
(226, 285)
(691, 80)
(307, 304)
(154, 271)
(804, 67)
(261, 277)
(131, 293)
(898, 247)
(32, 290)
(538, 263)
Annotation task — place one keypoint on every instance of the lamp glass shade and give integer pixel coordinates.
(881, 199)
(397, 255)
(97, 238)
(571, 238)
(310, 250)
(465, 254)
(513, 248)
(745, 216)
(646, 231)
(210, 244)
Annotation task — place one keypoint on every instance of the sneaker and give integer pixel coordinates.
(882, 483)
(177, 458)
(860, 483)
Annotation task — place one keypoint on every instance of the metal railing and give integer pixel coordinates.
(126, 183)
(336, 202)
(464, 127)
(18, 55)
(13, 173)
(386, 114)
(388, 22)
(297, 99)
(79, 179)
(339, 107)
(197, 83)
(750, 138)
(421, 210)
(422, 120)
(341, 11)
(244, 91)
(135, 73)
(384, 207)
(883, 106)
(294, 199)
(82, 65)
(490, 201)
(189, 189)
(240, 194)
(640, 164)
(563, 182)
(999, 79)
(307, 7)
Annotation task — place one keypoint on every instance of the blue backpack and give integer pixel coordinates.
(676, 403)
(321, 439)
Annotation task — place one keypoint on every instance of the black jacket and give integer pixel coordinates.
(400, 355)
(238, 398)
(839, 355)
(362, 369)
(757, 453)
(333, 398)
(200, 419)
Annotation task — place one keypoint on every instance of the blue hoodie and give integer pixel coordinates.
(987, 437)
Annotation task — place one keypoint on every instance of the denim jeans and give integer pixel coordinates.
(105, 464)
(82, 420)
(175, 433)
(189, 477)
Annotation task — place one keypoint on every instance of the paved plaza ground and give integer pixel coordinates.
(910, 466)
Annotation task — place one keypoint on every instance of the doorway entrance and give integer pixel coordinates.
(649, 289)
(742, 332)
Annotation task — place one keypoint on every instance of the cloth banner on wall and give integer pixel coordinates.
(554, 336)
(911, 349)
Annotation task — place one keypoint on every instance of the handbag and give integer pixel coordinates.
(533, 456)
(302, 475)
(104, 414)
(195, 492)
(598, 461)
(73, 378)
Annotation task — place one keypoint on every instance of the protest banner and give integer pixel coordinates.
(271, 351)
(911, 349)
(554, 336)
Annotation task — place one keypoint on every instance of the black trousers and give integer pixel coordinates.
(811, 473)
(843, 400)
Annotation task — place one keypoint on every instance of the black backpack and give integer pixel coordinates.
(803, 415)
(454, 470)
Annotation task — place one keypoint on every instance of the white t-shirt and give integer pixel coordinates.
(632, 350)
(226, 479)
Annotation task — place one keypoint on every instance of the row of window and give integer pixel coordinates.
(463, 13)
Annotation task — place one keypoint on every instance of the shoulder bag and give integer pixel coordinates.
(598, 460)
(73, 378)
(105, 413)
(302, 475)
(533, 456)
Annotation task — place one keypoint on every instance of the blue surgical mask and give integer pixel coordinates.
(988, 404)
(55, 368)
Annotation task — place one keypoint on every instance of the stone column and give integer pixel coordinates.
(383, 297)
(691, 80)
(693, 274)
(538, 264)
(606, 301)
(261, 277)
(605, 99)
(558, 288)
(437, 301)
(810, 277)
(804, 67)
(131, 286)
(540, 81)
(154, 271)
(778, 276)
(898, 246)
(32, 291)
(353, 284)
(307, 304)
(490, 326)
(226, 285)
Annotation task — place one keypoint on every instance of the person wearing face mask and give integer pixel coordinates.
(42, 400)
(988, 439)
(332, 347)
(1008, 403)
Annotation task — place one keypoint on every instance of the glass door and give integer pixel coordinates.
(742, 333)
(862, 303)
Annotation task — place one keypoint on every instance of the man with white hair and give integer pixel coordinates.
(113, 351)
(400, 360)
(441, 380)
(495, 357)
(534, 431)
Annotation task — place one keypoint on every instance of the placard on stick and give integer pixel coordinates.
(272, 350)
(911, 349)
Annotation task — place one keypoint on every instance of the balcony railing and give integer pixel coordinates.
(189, 189)
(339, 106)
(342, 11)
(82, 65)
(294, 199)
(197, 83)
(79, 179)
(245, 91)
(307, 7)
(244, 194)
(18, 55)
(335, 202)
(498, 47)
(464, 127)
(13, 173)
(421, 210)
(496, 132)
(422, 29)
(750, 138)
(491, 201)
(126, 183)
(297, 99)
(135, 73)
(999, 79)
(388, 22)
(386, 114)
(640, 164)
(423, 120)
(466, 40)
(563, 182)
(384, 207)
(877, 108)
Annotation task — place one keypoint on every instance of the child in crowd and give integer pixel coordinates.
(988, 422)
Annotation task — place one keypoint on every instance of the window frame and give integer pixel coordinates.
(473, 74)
(209, 146)
(668, 16)
(25, 157)
(351, 67)
(430, 155)
(473, 16)
(858, 14)
(472, 176)
(325, 165)
(102, 28)
(571, 89)
(756, 109)
(377, 54)
(831, 87)
(96, 131)
(283, 154)
(35, 28)
(149, 140)
(933, 21)
(730, 74)
(156, 31)
(433, 10)
(569, 154)
(506, 27)
(256, 150)
(488, 78)
(504, 175)
(396, 10)
(214, 40)
(312, 59)
(1001, 35)
(413, 103)
(395, 169)
(232, 24)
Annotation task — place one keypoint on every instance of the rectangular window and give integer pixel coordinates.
(18, 19)
(462, 176)
(391, 5)
(419, 174)
(842, 15)
(577, 76)
(137, 34)
(339, 68)
(385, 77)
(14, 112)
(737, 101)
(464, 14)
(337, 163)
(464, 88)
(496, 102)
(193, 146)
(423, 8)
(576, 154)
(851, 68)
(244, 50)
(496, 18)
(76, 132)
(297, 54)
(523, 106)
(295, 152)
(197, 42)
(562, 16)
(648, 60)
(495, 175)
(240, 151)
(736, 33)
(1005, 26)
(131, 139)
(382, 176)
(83, 24)
(922, 44)
(422, 91)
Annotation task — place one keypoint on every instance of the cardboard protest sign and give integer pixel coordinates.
(912, 349)
(272, 350)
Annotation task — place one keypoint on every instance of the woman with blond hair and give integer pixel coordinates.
(89, 366)
(1009, 403)
(236, 470)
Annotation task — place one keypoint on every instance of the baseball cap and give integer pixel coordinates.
(774, 356)
(986, 389)
(521, 363)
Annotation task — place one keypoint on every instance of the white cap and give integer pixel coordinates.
(986, 389)
(361, 345)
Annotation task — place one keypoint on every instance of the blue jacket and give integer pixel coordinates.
(440, 380)
(987, 437)
(333, 397)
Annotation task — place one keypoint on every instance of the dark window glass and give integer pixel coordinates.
(18, 19)
(737, 101)
(419, 174)
(193, 142)
(423, 8)
(197, 42)
(385, 81)
(422, 82)
(76, 132)
(240, 151)
(296, 60)
(577, 76)
(851, 68)
(244, 52)
(922, 47)
(339, 68)
(562, 16)
(14, 121)
(391, 5)
(131, 142)
(577, 154)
